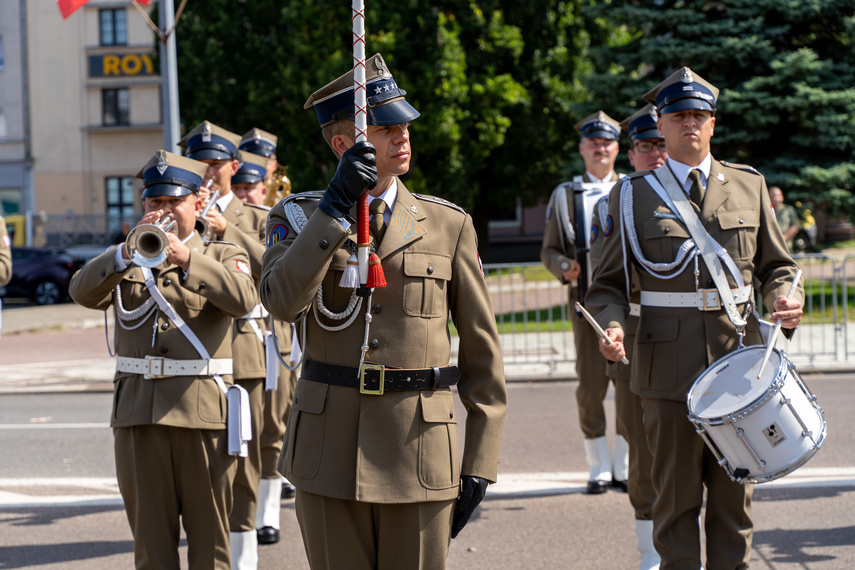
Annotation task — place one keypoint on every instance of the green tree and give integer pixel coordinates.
(496, 83)
(786, 73)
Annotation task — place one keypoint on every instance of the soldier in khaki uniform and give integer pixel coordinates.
(171, 448)
(249, 185)
(646, 152)
(599, 148)
(233, 221)
(380, 481)
(682, 329)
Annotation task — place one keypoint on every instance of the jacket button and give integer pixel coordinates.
(667, 230)
(167, 282)
(164, 350)
(374, 343)
(741, 221)
(202, 285)
(710, 283)
(376, 309)
(103, 274)
(164, 326)
(324, 244)
(451, 415)
(650, 335)
(430, 270)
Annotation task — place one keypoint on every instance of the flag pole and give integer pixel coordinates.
(360, 117)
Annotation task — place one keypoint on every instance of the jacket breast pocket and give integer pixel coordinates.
(306, 429)
(664, 236)
(739, 232)
(656, 352)
(439, 463)
(426, 277)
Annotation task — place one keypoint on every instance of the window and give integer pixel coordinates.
(120, 202)
(114, 27)
(116, 107)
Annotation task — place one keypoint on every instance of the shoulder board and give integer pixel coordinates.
(216, 242)
(743, 167)
(261, 207)
(311, 195)
(638, 174)
(438, 200)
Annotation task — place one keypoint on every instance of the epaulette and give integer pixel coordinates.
(743, 167)
(262, 207)
(638, 174)
(218, 242)
(438, 200)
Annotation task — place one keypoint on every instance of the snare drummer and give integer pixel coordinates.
(686, 322)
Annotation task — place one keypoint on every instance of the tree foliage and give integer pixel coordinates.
(786, 73)
(496, 83)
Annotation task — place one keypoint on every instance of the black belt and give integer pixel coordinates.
(392, 378)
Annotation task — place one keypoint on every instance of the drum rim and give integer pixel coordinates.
(773, 388)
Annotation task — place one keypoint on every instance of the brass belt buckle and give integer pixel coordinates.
(712, 300)
(362, 388)
(155, 366)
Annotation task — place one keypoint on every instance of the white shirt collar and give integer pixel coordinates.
(608, 177)
(390, 196)
(224, 201)
(681, 171)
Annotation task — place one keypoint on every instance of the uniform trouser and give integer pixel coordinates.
(169, 476)
(277, 408)
(339, 533)
(593, 381)
(242, 517)
(682, 466)
(630, 424)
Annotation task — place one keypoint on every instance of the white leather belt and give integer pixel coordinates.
(634, 310)
(257, 312)
(156, 367)
(702, 299)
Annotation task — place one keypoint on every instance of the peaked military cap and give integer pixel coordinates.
(252, 169)
(683, 90)
(599, 125)
(259, 142)
(642, 124)
(167, 174)
(207, 141)
(386, 103)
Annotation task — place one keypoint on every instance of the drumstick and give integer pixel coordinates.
(774, 338)
(597, 328)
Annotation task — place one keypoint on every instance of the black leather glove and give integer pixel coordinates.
(472, 490)
(356, 172)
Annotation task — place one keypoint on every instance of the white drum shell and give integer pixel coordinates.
(767, 437)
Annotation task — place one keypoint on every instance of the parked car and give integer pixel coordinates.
(41, 275)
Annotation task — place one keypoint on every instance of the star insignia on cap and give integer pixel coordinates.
(687, 77)
(161, 161)
(378, 90)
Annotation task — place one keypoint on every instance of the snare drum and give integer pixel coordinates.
(758, 429)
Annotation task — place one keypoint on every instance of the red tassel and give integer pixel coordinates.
(376, 278)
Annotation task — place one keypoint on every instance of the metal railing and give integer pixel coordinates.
(536, 334)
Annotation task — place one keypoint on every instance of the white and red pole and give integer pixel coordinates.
(360, 116)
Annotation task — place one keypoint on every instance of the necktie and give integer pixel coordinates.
(376, 223)
(696, 192)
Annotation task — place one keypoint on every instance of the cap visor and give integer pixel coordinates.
(647, 134)
(209, 154)
(245, 179)
(165, 190)
(393, 113)
(601, 135)
(687, 104)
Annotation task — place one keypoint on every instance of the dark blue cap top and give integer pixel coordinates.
(251, 169)
(168, 174)
(207, 141)
(681, 91)
(642, 125)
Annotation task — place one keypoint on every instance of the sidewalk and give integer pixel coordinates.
(63, 348)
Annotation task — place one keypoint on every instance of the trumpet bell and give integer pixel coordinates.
(148, 244)
(203, 227)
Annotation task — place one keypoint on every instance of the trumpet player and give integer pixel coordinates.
(242, 224)
(174, 364)
(249, 185)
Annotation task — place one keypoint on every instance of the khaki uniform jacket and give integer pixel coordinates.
(675, 345)
(246, 228)
(5, 255)
(552, 252)
(215, 291)
(400, 447)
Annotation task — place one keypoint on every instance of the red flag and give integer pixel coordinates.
(68, 7)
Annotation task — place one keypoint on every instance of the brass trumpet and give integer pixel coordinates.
(148, 244)
(202, 225)
(278, 186)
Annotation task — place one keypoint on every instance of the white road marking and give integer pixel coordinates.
(47, 425)
(510, 485)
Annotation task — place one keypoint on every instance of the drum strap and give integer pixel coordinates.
(702, 240)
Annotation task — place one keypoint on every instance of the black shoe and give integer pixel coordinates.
(267, 535)
(597, 487)
(619, 486)
(288, 490)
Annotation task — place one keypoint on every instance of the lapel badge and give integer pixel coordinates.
(686, 76)
(161, 161)
(414, 209)
(720, 177)
(206, 132)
